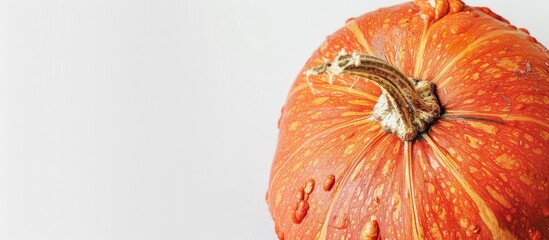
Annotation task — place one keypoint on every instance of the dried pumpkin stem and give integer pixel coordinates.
(406, 107)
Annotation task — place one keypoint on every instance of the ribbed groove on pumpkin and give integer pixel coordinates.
(320, 135)
(466, 50)
(359, 35)
(485, 212)
(421, 51)
(351, 91)
(454, 117)
(346, 176)
(410, 188)
(495, 117)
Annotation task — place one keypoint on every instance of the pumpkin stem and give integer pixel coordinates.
(406, 107)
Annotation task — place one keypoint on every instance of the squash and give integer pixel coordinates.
(417, 122)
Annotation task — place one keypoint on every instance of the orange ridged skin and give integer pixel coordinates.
(481, 171)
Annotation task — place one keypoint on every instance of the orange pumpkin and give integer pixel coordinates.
(417, 122)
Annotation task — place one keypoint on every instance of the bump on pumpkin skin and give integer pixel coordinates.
(329, 182)
(370, 231)
(440, 9)
(301, 204)
(310, 186)
(300, 211)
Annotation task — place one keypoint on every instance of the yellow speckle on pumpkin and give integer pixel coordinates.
(529, 137)
(293, 126)
(506, 161)
(379, 190)
(435, 230)
(484, 127)
(526, 179)
(498, 197)
(447, 124)
(350, 149)
(493, 70)
(544, 135)
(403, 23)
(473, 169)
(360, 194)
(475, 76)
(472, 141)
(464, 222)
(357, 171)
(297, 166)
(360, 102)
(397, 204)
(345, 114)
(523, 98)
(452, 151)
(316, 115)
(508, 64)
(386, 167)
(469, 101)
(430, 188)
(516, 133)
(442, 214)
(320, 100)
(502, 175)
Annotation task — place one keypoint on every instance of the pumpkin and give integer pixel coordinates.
(417, 121)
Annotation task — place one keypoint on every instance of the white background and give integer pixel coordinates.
(135, 119)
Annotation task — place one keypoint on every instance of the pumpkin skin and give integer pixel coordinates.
(479, 172)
